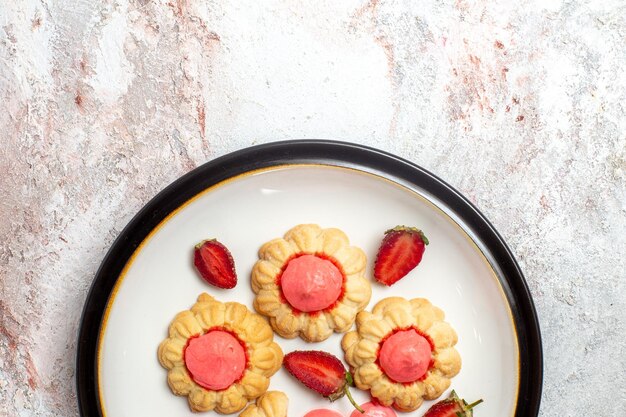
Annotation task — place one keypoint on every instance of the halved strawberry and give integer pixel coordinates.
(452, 406)
(400, 251)
(321, 372)
(215, 264)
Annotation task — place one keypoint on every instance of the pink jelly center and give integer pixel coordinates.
(323, 412)
(215, 360)
(310, 283)
(374, 410)
(405, 356)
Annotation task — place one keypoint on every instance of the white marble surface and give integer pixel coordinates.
(520, 105)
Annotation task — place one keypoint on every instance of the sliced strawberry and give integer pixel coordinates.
(452, 406)
(321, 372)
(400, 251)
(215, 264)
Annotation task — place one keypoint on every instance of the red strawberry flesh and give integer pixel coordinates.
(317, 370)
(452, 406)
(400, 252)
(215, 264)
(443, 409)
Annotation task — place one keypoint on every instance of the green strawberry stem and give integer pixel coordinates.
(346, 389)
(358, 407)
(474, 404)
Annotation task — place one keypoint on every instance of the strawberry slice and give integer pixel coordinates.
(321, 372)
(400, 251)
(215, 264)
(452, 406)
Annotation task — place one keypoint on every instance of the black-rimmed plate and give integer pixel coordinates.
(251, 196)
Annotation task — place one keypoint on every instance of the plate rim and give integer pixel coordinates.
(309, 152)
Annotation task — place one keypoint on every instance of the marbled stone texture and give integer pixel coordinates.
(520, 105)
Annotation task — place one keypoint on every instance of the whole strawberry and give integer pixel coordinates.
(321, 372)
(215, 264)
(452, 406)
(400, 251)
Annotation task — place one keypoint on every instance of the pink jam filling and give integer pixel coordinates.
(323, 412)
(310, 283)
(374, 410)
(405, 356)
(215, 360)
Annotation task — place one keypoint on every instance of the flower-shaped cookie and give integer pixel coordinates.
(270, 404)
(402, 352)
(310, 283)
(219, 355)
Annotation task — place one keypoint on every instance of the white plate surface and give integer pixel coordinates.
(244, 213)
